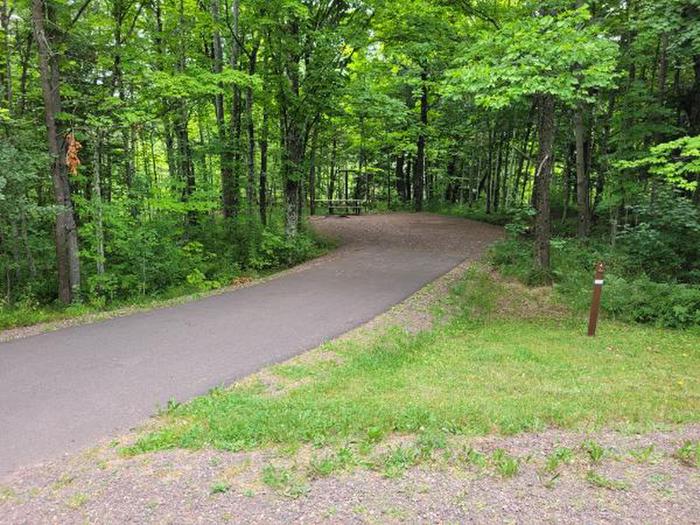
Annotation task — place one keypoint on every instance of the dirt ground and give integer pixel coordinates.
(629, 485)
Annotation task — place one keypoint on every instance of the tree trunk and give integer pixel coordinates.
(332, 175)
(26, 55)
(694, 99)
(294, 130)
(250, 127)
(312, 175)
(97, 203)
(5, 15)
(225, 157)
(293, 173)
(400, 182)
(543, 177)
(182, 117)
(419, 170)
(583, 194)
(230, 177)
(66, 233)
(262, 184)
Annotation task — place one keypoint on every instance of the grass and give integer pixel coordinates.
(77, 501)
(598, 480)
(283, 481)
(643, 454)
(561, 455)
(506, 465)
(483, 372)
(689, 454)
(594, 450)
(219, 487)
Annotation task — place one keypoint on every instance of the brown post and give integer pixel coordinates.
(595, 304)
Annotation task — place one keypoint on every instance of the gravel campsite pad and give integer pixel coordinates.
(638, 480)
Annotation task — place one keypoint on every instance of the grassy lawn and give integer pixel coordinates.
(496, 366)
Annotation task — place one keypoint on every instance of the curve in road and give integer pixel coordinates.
(63, 391)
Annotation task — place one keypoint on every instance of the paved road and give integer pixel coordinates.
(65, 390)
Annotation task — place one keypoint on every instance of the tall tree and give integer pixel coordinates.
(66, 231)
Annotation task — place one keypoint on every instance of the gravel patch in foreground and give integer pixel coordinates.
(181, 487)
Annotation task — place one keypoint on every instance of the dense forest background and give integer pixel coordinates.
(159, 146)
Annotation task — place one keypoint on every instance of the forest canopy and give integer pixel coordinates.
(157, 146)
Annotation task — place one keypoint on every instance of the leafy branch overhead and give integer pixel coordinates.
(559, 55)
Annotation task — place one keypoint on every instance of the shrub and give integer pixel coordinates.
(629, 294)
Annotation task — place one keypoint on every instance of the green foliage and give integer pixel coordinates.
(594, 450)
(506, 465)
(219, 487)
(665, 241)
(398, 459)
(559, 456)
(284, 481)
(598, 480)
(278, 251)
(689, 453)
(145, 263)
(561, 55)
(663, 247)
(676, 162)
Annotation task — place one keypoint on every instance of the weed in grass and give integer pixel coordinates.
(395, 462)
(643, 454)
(219, 487)
(594, 450)
(276, 477)
(6, 494)
(560, 455)
(345, 457)
(326, 465)
(661, 482)
(284, 482)
(474, 457)
(63, 482)
(77, 500)
(506, 465)
(365, 448)
(430, 441)
(374, 434)
(603, 482)
(689, 454)
(249, 493)
(322, 467)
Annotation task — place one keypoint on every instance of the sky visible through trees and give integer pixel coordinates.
(151, 146)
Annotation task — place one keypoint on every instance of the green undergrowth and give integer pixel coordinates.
(629, 294)
(493, 368)
(202, 276)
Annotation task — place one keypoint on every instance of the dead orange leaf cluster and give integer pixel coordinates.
(72, 150)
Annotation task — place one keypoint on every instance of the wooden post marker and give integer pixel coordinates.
(595, 304)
